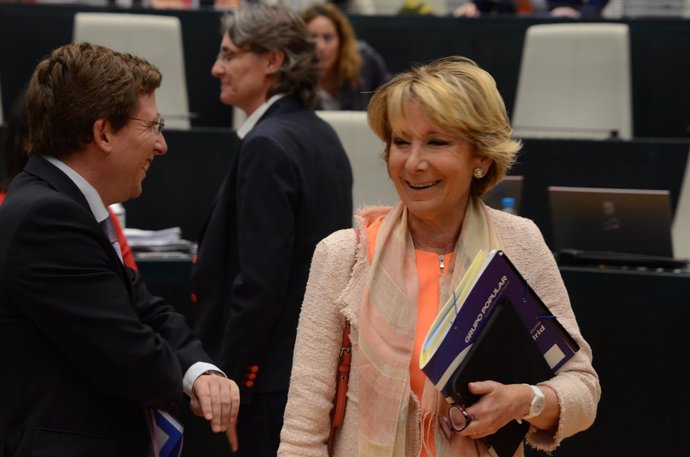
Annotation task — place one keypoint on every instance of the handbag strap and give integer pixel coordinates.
(344, 363)
(343, 375)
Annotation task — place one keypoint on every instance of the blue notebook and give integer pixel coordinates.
(489, 281)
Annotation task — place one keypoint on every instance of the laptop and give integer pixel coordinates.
(511, 186)
(612, 226)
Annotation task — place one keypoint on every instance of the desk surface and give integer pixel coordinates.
(637, 325)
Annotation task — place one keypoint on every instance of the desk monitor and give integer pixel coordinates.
(511, 186)
(629, 221)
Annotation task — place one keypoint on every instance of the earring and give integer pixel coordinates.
(478, 172)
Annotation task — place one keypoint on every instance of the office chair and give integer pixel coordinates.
(372, 185)
(158, 39)
(574, 82)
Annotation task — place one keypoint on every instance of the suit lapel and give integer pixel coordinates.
(41, 168)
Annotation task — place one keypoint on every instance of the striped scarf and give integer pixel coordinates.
(388, 319)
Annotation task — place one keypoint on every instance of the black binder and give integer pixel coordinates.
(503, 352)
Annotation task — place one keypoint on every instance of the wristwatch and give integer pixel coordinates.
(537, 405)
(216, 372)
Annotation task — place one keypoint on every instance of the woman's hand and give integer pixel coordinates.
(498, 405)
(501, 403)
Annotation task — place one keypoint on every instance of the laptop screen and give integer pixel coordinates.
(619, 220)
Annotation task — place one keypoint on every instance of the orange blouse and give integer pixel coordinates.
(429, 272)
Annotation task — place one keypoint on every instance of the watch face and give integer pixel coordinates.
(537, 405)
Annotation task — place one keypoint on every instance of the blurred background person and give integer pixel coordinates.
(15, 156)
(574, 9)
(350, 69)
(289, 185)
(448, 140)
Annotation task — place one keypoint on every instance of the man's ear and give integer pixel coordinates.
(102, 134)
(274, 61)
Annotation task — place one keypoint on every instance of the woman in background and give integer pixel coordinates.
(350, 69)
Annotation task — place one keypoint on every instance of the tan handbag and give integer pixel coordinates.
(343, 376)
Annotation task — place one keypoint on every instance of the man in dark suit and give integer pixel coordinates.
(289, 185)
(88, 356)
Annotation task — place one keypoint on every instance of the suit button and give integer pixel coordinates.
(251, 376)
(249, 384)
(254, 368)
(195, 259)
(194, 297)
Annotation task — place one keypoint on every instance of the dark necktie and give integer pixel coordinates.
(109, 230)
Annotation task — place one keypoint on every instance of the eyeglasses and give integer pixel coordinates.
(226, 56)
(457, 420)
(158, 125)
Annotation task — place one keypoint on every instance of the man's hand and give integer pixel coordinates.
(217, 399)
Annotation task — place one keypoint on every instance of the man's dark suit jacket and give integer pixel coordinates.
(84, 348)
(289, 186)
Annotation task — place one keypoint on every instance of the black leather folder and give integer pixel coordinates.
(503, 352)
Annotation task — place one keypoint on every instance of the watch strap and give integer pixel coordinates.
(538, 396)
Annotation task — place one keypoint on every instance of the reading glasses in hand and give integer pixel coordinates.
(456, 420)
(158, 125)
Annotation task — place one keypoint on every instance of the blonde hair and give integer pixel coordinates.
(459, 97)
(349, 59)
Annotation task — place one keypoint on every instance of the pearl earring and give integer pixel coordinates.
(478, 172)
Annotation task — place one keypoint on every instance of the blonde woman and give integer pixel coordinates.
(448, 141)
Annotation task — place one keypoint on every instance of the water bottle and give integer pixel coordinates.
(508, 205)
(119, 211)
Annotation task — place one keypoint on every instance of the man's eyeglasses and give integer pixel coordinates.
(226, 56)
(158, 125)
(456, 420)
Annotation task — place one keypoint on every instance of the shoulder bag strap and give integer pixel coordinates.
(343, 377)
(340, 400)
